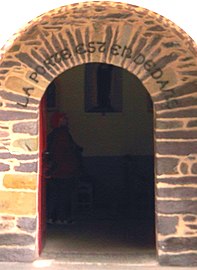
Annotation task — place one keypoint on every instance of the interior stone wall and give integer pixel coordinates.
(160, 54)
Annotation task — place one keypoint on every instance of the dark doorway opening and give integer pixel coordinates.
(113, 203)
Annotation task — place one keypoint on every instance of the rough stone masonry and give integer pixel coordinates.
(146, 44)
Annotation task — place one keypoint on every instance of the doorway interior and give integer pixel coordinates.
(113, 205)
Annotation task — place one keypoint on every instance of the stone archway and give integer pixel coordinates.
(160, 54)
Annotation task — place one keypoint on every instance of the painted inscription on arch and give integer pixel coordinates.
(27, 91)
(115, 50)
(99, 47)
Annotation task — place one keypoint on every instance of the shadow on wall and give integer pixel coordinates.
(123, 185)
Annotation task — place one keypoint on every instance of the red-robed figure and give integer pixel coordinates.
(64, 169)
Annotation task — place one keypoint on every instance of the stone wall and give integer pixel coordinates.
(160, 54)
(18, 186)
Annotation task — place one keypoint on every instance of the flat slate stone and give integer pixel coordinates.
(17, 255)
(178, 244)
(11, 239)
(178, 259)
(27, 224)
(167, 225)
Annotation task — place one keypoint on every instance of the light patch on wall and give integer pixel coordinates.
(26, 145)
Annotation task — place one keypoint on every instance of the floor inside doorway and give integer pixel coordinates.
(102, 239)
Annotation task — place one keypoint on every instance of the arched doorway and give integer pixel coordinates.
(118, 170)
(160, 54)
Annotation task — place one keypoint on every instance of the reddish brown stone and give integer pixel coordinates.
(15, 48)
(26, 127)
(32, 64)
(16, 115)
(194, 168)
(192, 123)
(27, 167)
(176, 207)
(4, 134)
(12, 239)
(190, 72)
(178, 244)
(18, 157)
(4, 167)
(189, 218)
(184, 168)
(181, 90)
(4, 71)
(166, 165)
(192, 227)
(181, 134)
(27, 224)
(168, 124)
(161, 63)
(16, 97)
(167, 225)
(178, 114)
(26, 157)
(177, 192)
(29, 107)
(7, 223)
(176, 148)
(156, 28)
(7, 218)
(178, 180)
(17, 254)
(176, 103)
(7, 64)
(183, 259)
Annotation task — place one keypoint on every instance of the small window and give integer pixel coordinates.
(103, 88)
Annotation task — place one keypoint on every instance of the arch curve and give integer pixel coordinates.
(146, 44)
(128, 36)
